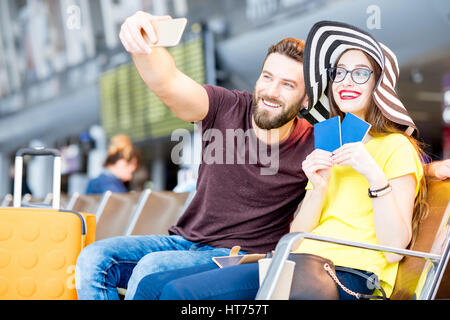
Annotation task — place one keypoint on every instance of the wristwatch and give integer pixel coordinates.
(380, 192)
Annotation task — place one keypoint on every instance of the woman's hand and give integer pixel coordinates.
(317, 167)
(357, 156)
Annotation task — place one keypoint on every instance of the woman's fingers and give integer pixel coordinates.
(320, 155)
(342, 157)
(317, 167)
(324, 163)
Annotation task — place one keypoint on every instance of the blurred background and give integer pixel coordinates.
(66, 82)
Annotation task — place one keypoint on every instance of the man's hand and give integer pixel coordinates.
(187, 99)
(137, 29)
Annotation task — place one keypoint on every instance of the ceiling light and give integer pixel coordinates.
(416, 76)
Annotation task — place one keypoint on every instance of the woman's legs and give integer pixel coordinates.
(239, 282)
(151, 286)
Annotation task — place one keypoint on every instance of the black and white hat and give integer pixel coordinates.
(326, 41)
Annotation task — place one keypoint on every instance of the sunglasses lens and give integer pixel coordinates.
(337, 74)
(361, 75)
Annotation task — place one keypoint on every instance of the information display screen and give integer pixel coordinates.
(130, 107)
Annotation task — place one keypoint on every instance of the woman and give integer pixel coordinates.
(371, 191)
(120, 164)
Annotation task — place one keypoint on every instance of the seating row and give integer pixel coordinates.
(119, 214)
(424, 273)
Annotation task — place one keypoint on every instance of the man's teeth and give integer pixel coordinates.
(270, 104)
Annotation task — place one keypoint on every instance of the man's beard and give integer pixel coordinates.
(263, 119)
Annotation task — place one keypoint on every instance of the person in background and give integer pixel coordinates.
(120, 164)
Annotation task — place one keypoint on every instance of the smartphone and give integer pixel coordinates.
(227, 261)
(169, 32)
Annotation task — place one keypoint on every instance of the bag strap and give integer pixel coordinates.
(373, 279)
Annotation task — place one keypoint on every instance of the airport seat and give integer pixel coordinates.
(410, 268)
(114, 214)
(7, 201)
(84, 203)
(28, 199)
(63, 200)
(422, 273)
(157, 212)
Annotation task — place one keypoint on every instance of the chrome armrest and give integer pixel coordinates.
(285, 245)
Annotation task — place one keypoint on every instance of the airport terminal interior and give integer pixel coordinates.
(67, 83)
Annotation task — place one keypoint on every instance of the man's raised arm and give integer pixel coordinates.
(185, 97)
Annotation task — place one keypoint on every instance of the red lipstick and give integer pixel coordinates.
(349, 94)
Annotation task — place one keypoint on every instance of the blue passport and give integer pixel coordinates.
(353, 129)
(327, 135)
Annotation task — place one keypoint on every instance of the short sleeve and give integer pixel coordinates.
(404, 160)
(220, 99)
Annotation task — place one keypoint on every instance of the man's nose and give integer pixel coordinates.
(273, 90)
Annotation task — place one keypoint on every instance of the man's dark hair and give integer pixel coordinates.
(290, 47)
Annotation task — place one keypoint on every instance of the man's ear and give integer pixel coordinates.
(305, 102)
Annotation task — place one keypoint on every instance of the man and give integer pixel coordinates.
(236, 203)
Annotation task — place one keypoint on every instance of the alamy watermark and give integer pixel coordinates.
(232, 147)
(374, 19)
(73, 21)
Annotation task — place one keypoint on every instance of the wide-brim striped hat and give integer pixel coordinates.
(326, 41)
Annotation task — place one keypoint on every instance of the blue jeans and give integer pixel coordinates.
(208, 282)
(122, 262)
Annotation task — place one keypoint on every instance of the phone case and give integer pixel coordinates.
(169, 32)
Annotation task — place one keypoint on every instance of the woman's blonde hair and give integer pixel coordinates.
(382, 126)
(119, 148)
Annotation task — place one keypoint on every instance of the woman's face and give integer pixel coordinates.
(349, 95)
(124, 170)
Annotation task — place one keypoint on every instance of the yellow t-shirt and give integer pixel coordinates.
(347, 212)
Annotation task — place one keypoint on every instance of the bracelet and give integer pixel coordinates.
(380, 192)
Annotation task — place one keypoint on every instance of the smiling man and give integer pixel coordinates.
(280, 91)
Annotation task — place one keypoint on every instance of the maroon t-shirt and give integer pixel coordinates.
(247, 203)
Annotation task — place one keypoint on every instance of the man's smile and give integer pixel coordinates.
(271, 104)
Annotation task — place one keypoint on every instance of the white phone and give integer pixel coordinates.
(169, 32)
